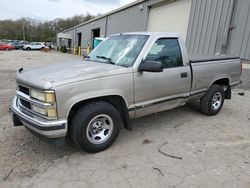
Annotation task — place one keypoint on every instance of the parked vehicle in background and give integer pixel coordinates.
(17, 45)
(25, 42)
(4, 46)
(129, 75)
(50, 45)
(34, 46)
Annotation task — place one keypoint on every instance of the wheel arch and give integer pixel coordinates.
(224, 82)
(116, 100)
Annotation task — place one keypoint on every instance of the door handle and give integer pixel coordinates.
(184, 74)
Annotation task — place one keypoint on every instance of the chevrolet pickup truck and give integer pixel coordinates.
(129, 75)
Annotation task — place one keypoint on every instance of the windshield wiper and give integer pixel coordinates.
(109, 60)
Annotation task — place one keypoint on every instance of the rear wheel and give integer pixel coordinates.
(95, 126)
(28, 48)
(212, 102)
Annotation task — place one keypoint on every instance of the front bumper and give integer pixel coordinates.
(47, 128)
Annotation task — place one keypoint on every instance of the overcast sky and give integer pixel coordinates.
(45, 10)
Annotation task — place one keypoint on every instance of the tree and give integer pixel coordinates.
(38, 31)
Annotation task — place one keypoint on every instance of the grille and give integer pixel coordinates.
(25, 103)
(24, 90)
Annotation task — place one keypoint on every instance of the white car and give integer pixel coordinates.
(34, 46)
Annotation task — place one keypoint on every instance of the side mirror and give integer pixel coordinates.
(150, 66)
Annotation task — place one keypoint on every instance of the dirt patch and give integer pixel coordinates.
(21, 151)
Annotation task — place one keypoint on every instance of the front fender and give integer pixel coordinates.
(68, 95)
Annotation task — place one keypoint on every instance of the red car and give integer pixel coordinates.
(6, 47)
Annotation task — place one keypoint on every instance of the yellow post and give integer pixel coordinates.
(88, 48)
(76, 50)
(79, 50)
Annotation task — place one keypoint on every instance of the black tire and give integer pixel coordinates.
(42, 48)
(28, 48)
(81, 120)
(206, 102)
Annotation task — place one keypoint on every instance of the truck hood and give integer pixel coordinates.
(64, 73)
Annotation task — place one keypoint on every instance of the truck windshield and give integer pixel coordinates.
(119, 50)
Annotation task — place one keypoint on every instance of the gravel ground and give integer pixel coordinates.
(214, 151)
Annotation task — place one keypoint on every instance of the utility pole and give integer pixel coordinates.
(23, 30)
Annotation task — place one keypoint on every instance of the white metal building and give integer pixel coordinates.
(208, 26)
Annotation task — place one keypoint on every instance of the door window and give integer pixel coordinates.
(166, 51)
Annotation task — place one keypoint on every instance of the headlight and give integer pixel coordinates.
(50, 112)
(43, 96)
(38, 110)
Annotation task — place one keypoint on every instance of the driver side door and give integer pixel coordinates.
(159, 91)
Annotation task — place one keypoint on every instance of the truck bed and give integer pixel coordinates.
(219, 58)
(207, 69)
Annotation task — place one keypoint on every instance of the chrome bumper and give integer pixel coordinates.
(47, 128)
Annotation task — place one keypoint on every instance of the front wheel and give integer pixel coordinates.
(212, 102)
(95, 126)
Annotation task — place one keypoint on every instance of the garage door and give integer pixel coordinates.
(171, 17)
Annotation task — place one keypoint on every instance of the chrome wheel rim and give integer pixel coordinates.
(216, 101)
(100, 129)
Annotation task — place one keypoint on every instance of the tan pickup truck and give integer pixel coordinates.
(128, 75)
